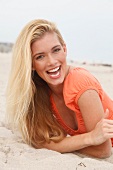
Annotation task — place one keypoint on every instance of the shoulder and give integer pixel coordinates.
(79, 71)
(79, 75)
(78, 81)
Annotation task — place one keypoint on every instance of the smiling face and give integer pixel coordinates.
(49, 59)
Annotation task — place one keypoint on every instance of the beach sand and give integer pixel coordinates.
(16, 155)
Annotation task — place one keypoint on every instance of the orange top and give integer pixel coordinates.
(76, 83)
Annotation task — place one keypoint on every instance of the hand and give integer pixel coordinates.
(103, 130)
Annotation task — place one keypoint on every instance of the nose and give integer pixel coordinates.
(50, 60)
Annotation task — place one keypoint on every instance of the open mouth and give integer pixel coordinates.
(54, 73)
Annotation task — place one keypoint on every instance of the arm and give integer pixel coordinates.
(92, 112)
(96, 142)
(85, 142)
(71, 143)
(100, 151)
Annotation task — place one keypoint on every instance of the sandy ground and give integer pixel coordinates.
(16, 155)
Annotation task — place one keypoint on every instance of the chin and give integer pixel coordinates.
(56, 82)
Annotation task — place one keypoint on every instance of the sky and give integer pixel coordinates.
(86, 25)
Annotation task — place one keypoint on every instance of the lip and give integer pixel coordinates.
(56, 74)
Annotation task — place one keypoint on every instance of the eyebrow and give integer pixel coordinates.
(40, 53)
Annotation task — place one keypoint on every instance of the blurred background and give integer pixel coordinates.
(86, 25)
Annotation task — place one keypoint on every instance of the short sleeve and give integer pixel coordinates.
(77, 82)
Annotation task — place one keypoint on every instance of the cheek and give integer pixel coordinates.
(63, 57)
(38, 66)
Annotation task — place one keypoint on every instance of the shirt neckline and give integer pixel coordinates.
(56, 113)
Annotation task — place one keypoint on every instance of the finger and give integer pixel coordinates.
(106, 115)
(108, 129)
(108, 121)
(110, 135)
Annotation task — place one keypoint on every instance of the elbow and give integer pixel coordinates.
(100, 151)
(104, 150)
(104, 154)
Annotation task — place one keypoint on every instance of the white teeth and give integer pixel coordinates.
(53, 70)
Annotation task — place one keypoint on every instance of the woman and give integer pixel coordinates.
(54, 105)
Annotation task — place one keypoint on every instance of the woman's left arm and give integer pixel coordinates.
(92, 112)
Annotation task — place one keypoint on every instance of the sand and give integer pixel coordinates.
(16, 155)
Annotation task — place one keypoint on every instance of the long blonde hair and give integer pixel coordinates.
(28, 96)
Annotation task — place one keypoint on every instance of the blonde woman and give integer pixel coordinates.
(56, 106)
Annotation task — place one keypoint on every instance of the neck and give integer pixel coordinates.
(57, 91)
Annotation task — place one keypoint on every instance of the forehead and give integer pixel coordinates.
(48, 39)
